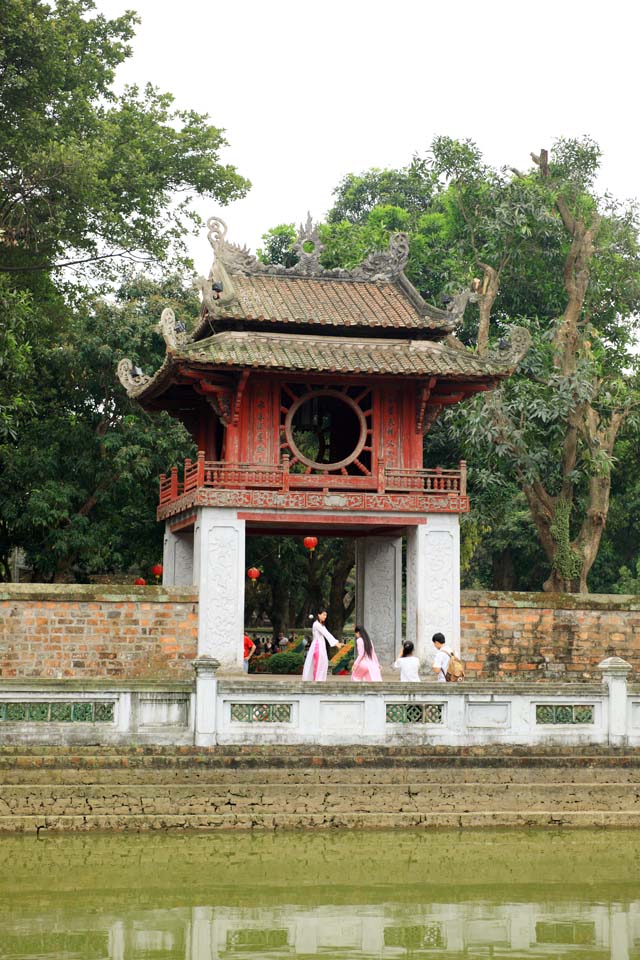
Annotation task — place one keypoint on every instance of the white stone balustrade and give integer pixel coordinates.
(223, 709)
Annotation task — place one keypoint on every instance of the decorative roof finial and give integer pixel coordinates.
(130, 376)
(216, 233)
(173, 333)
(308, 248)
(385, 265)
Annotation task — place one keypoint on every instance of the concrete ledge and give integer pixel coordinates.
(98, 685)
(622, 819)
(549, 601)
(97, 593)
(290, 686)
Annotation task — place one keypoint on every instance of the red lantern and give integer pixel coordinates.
(140, 582)
(157, 569)
(310, 543)
(254, 574)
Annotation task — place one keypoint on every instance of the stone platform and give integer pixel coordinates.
(54, 789)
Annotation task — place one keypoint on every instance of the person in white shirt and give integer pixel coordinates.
(442, 657)
(316, 663)
(407, 664)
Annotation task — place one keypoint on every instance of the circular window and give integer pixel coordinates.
(325, 430)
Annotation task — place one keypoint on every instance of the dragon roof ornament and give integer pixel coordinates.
(130, 376)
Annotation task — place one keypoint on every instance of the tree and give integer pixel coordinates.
(90, 180)
(548, 253)
(85, 173)
(294, 582)
(80, 483)
(555, 425)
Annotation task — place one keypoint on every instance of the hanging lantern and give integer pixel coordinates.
(157, 570)
(140, 582)
(310, 543)
(254, 574)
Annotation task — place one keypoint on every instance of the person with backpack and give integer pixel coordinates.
(445, 663)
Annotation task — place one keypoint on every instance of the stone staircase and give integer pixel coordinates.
(163, 788)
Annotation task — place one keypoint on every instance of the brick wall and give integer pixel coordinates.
(537, 636)
(59, 631)
(65, 630)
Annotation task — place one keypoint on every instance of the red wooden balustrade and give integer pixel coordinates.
(257, 476)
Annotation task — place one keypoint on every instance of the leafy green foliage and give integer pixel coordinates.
(81, 478)
(87, 178)
(82, 171)
(282, 663)
(278, 244)
(552, 256)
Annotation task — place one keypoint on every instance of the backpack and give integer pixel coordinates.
(455, 670)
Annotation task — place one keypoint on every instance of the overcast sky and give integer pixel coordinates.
(308, 92)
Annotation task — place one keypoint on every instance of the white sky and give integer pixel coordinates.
(310, 92)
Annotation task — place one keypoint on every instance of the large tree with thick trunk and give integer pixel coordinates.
(555, 425)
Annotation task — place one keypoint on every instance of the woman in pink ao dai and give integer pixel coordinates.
(365, 667)
(316, 663)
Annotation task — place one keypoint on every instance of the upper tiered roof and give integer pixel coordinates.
(305, 318)
(374, 295)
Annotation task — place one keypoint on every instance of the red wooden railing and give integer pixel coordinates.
(257, 476)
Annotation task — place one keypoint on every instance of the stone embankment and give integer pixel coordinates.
(154, 788)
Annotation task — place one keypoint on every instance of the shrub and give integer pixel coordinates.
(285, 663)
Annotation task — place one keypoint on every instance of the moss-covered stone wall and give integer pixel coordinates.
(62, 630)
(546, 636)
(65, 631)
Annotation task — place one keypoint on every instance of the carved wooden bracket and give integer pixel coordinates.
(431, 416)
(423, 394)
(225, 400)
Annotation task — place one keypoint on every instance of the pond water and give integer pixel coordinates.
(330, 895)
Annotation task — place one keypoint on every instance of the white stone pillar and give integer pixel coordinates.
(614, 674)
(177, 559)
(379, 593)
(206, 694)
(219, 548)
(433, 583)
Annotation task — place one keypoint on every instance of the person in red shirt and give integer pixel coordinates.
(249, 650)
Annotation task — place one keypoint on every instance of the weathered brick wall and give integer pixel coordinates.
(544, 636)
(62, 631)
(112, 631)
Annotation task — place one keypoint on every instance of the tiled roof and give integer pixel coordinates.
(273, 351)
(234, 350)
(330, 302)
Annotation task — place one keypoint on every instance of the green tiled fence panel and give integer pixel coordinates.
(564, 713)
(261, 712)
(415, 713)
(57, 712)
(425, 937)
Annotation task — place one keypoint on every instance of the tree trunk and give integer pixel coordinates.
(503, 573)
(486, 299)
(279, 609)
(338, 611)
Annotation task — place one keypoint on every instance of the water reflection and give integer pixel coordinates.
(339, 896)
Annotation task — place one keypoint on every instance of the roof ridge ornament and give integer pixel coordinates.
(309, 248)
(378, 266)
(511, 349)
(174, 333)
(131, 377)
(385, 264)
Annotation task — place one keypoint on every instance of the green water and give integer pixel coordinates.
(330, 895)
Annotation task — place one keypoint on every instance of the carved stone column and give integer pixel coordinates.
(177, 559)
(615, 671)
(219, 549)
(433, 583)
(206, 694)
(379, 593)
